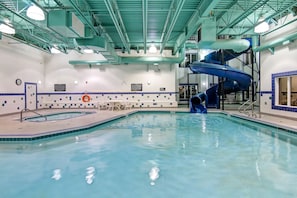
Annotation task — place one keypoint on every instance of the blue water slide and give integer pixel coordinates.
(196, 103)
(242, 79)
(213, 99)
(235, 79)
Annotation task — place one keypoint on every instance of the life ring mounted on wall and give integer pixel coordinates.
(86, 98)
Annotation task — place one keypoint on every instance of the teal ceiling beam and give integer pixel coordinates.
(280, 27)
(144, 24)
(203, 11)
(167, 20)
(88, 62)
(244, 15)
(47, 50)
(122, 25)
(172, 24)
(154, 59)
(117, 24)
(28, 35)
(34, 25)
(150, 60)
(271, 50)
(279, 12)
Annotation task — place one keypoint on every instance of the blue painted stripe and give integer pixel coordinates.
(12, 94)
(100, 93)
(90, 93)
(265, 92)
(285, 108)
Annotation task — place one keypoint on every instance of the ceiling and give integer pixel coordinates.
(113, 27)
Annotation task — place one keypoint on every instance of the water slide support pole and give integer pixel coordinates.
(253, 86)
(222, 80)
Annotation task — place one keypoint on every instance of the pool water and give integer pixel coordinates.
(57, 116)
(155, 155)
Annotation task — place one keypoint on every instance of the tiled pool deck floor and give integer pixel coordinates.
(11, 127)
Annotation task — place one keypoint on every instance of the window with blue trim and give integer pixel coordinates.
(284, 95)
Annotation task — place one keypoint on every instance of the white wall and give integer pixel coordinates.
(31, 65)
(106, 78)
(282, 60)
(17, 61)
(107, 82)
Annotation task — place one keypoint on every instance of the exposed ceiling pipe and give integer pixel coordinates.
(84, 18)
(126, 60)
(202, 11)
(167, 20)
(238, 45)
(276, 42)
(151, 60)
(144, 22)
(88, 62)
(172, 24)
(116, 23)
(208, 39)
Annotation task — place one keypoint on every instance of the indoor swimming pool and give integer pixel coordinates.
(155, 154)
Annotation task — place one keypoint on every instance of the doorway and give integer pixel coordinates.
(30, 96)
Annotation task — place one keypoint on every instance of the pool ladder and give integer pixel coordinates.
(246, 106)
(33, 111)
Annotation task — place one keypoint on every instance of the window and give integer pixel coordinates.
(283, 91)
(293, 85)
(284, 94)
(60, 87)
(136, 87)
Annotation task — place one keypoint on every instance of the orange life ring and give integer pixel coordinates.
(86, 98)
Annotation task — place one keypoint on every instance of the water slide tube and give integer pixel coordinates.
(196, 103)
(242, 79)
(236, 79)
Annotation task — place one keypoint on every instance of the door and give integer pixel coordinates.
(31, 96)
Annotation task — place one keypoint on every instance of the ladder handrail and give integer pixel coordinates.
(33, 111)
(241, 106)
(243, 109)
(251, 104)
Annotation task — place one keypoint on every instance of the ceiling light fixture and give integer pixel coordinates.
(55, 51)
(153, 49)
(263, 26)
(36, 13)
(7, 29)
(88, 51)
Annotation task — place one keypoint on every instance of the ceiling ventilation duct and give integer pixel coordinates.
(207, 39)
(96, 43)
(66, 23)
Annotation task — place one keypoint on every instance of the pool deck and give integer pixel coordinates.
(11, 127)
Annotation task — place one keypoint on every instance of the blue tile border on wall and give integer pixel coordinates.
(90, 93)
(273, 77)
(265, 92)
(12, 94)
